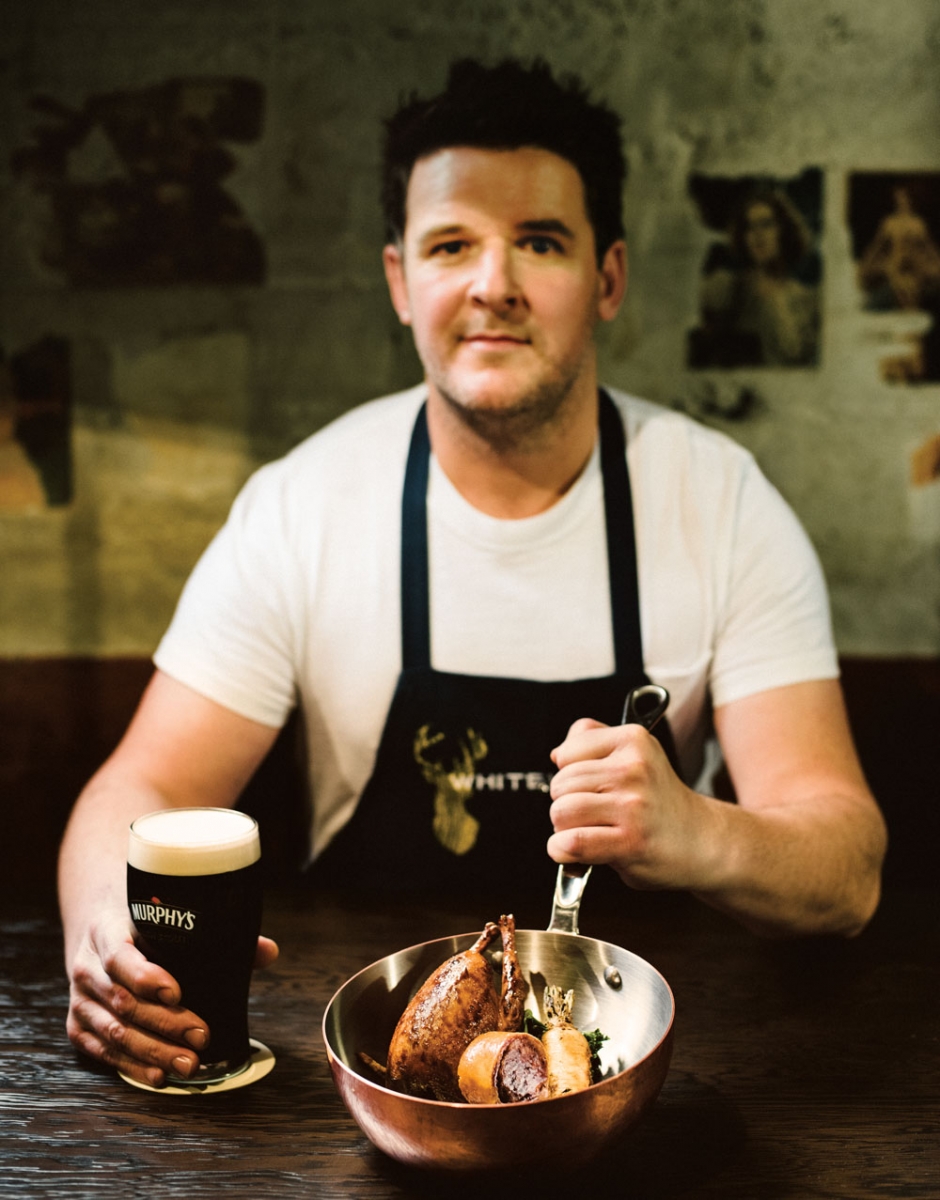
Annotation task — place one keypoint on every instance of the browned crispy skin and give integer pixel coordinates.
(455, 1004)
(514, 989)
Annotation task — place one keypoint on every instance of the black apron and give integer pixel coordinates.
(457, 804)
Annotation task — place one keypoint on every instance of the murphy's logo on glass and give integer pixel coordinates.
(455, 778)
(157, 913)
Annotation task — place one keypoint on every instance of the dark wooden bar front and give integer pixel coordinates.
(801, 1069)
(60, 718)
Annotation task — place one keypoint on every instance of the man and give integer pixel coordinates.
(498, 502)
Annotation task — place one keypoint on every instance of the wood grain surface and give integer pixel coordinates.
(801, 1069)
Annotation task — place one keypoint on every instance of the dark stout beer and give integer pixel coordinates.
(194, 893)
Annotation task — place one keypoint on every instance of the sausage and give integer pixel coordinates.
(503, 1068)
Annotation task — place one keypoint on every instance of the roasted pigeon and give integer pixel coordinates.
(456, 1004)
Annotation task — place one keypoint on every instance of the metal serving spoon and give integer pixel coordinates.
(643, 706)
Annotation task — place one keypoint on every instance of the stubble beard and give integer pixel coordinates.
(524, 423)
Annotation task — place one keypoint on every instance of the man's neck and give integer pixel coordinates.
(512, 482)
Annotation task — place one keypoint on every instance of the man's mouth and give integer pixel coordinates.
(495, 339)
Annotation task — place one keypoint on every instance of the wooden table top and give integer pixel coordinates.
(801, 1069)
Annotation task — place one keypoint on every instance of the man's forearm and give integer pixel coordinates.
(803, 848)
(806, 867)
(93, 855)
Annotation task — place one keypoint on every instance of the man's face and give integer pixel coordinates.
(498, 278)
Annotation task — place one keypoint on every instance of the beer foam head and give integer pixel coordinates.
(193, 841)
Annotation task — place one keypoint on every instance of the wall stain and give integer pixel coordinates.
(134, 183)
(35, 426)
(707, 400)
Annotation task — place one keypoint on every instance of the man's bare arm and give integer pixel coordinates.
(800, 852)
(808, 831)
(180, 749)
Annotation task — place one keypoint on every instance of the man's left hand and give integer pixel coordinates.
(617, 800)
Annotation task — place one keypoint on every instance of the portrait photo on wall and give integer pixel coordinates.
(894, 220)
(759, 293)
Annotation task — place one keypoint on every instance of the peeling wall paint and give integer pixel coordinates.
(181, 382)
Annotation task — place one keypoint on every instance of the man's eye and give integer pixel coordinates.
(448, 249)
(540, 244)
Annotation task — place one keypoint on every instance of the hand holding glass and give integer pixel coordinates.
(194, 893)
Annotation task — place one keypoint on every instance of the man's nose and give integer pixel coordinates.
(495, 281)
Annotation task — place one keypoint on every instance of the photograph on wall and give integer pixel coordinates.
(132, 184)
(759, 294)
(35, 427)
(894, 220)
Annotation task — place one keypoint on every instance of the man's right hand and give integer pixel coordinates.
(125, 1011)
(181, 749)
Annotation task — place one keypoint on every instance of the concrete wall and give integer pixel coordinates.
(166, 372)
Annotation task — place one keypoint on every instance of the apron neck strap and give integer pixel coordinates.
(415, 590)
(621, 546)
(621, 542)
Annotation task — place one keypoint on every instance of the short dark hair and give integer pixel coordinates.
(506, 107)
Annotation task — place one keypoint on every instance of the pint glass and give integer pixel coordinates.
(194, 893)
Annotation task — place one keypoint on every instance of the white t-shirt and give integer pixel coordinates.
(297, 597)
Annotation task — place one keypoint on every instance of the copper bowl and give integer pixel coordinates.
(615, 991)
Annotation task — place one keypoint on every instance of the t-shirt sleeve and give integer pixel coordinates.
(232, 638)
(776, 628)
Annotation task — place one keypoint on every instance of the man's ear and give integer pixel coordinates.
(612, 280)
(395, 277)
